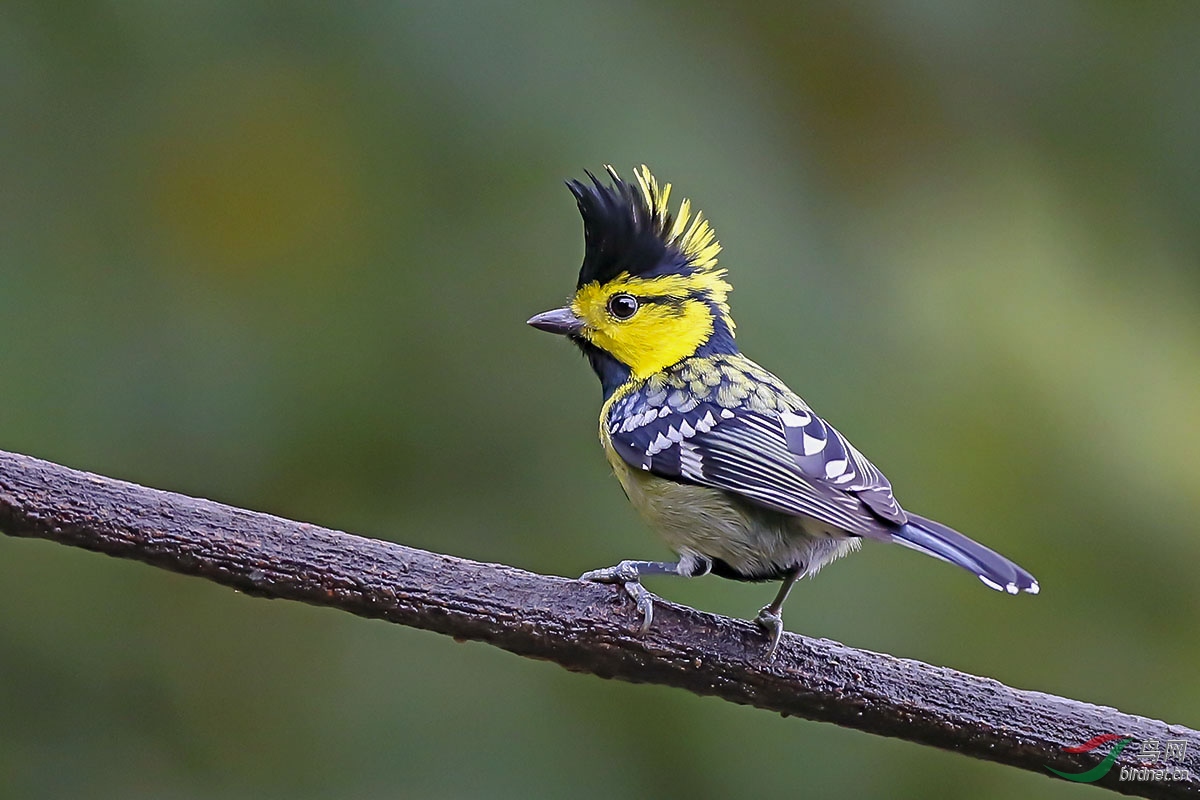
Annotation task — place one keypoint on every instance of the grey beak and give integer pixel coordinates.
(560, 320)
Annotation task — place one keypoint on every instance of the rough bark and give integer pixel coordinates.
(584, 627)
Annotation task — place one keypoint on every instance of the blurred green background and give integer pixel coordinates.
(281, 254)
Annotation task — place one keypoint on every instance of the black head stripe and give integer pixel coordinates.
(621, 232)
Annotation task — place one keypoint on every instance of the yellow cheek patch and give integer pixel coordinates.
(662, 332)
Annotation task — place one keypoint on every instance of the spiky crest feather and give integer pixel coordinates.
(629, 228)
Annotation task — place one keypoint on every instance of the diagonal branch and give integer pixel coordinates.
(583, 627)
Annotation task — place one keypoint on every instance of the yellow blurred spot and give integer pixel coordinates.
(253, 171)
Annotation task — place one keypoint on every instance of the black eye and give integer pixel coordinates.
(622, 306)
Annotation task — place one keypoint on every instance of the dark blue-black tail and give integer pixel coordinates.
(935, 539)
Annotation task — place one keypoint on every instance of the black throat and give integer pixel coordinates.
(611, 372)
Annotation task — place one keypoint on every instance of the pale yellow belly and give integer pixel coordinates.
(712, 524)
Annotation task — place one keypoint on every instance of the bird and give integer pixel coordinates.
(734, 471)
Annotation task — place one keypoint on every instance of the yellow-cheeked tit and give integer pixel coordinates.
(732, 468)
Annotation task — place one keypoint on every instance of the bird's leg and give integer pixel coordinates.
(629, 575)
(770, 618)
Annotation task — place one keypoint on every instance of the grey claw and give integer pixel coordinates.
(626, 575)
(624, 572)
(641, 599)
(772, 623)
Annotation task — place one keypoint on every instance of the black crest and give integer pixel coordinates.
(622, 233)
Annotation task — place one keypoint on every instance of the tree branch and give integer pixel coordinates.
(583, 627)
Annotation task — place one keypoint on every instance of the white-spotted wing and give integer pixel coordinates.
(792, 462)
